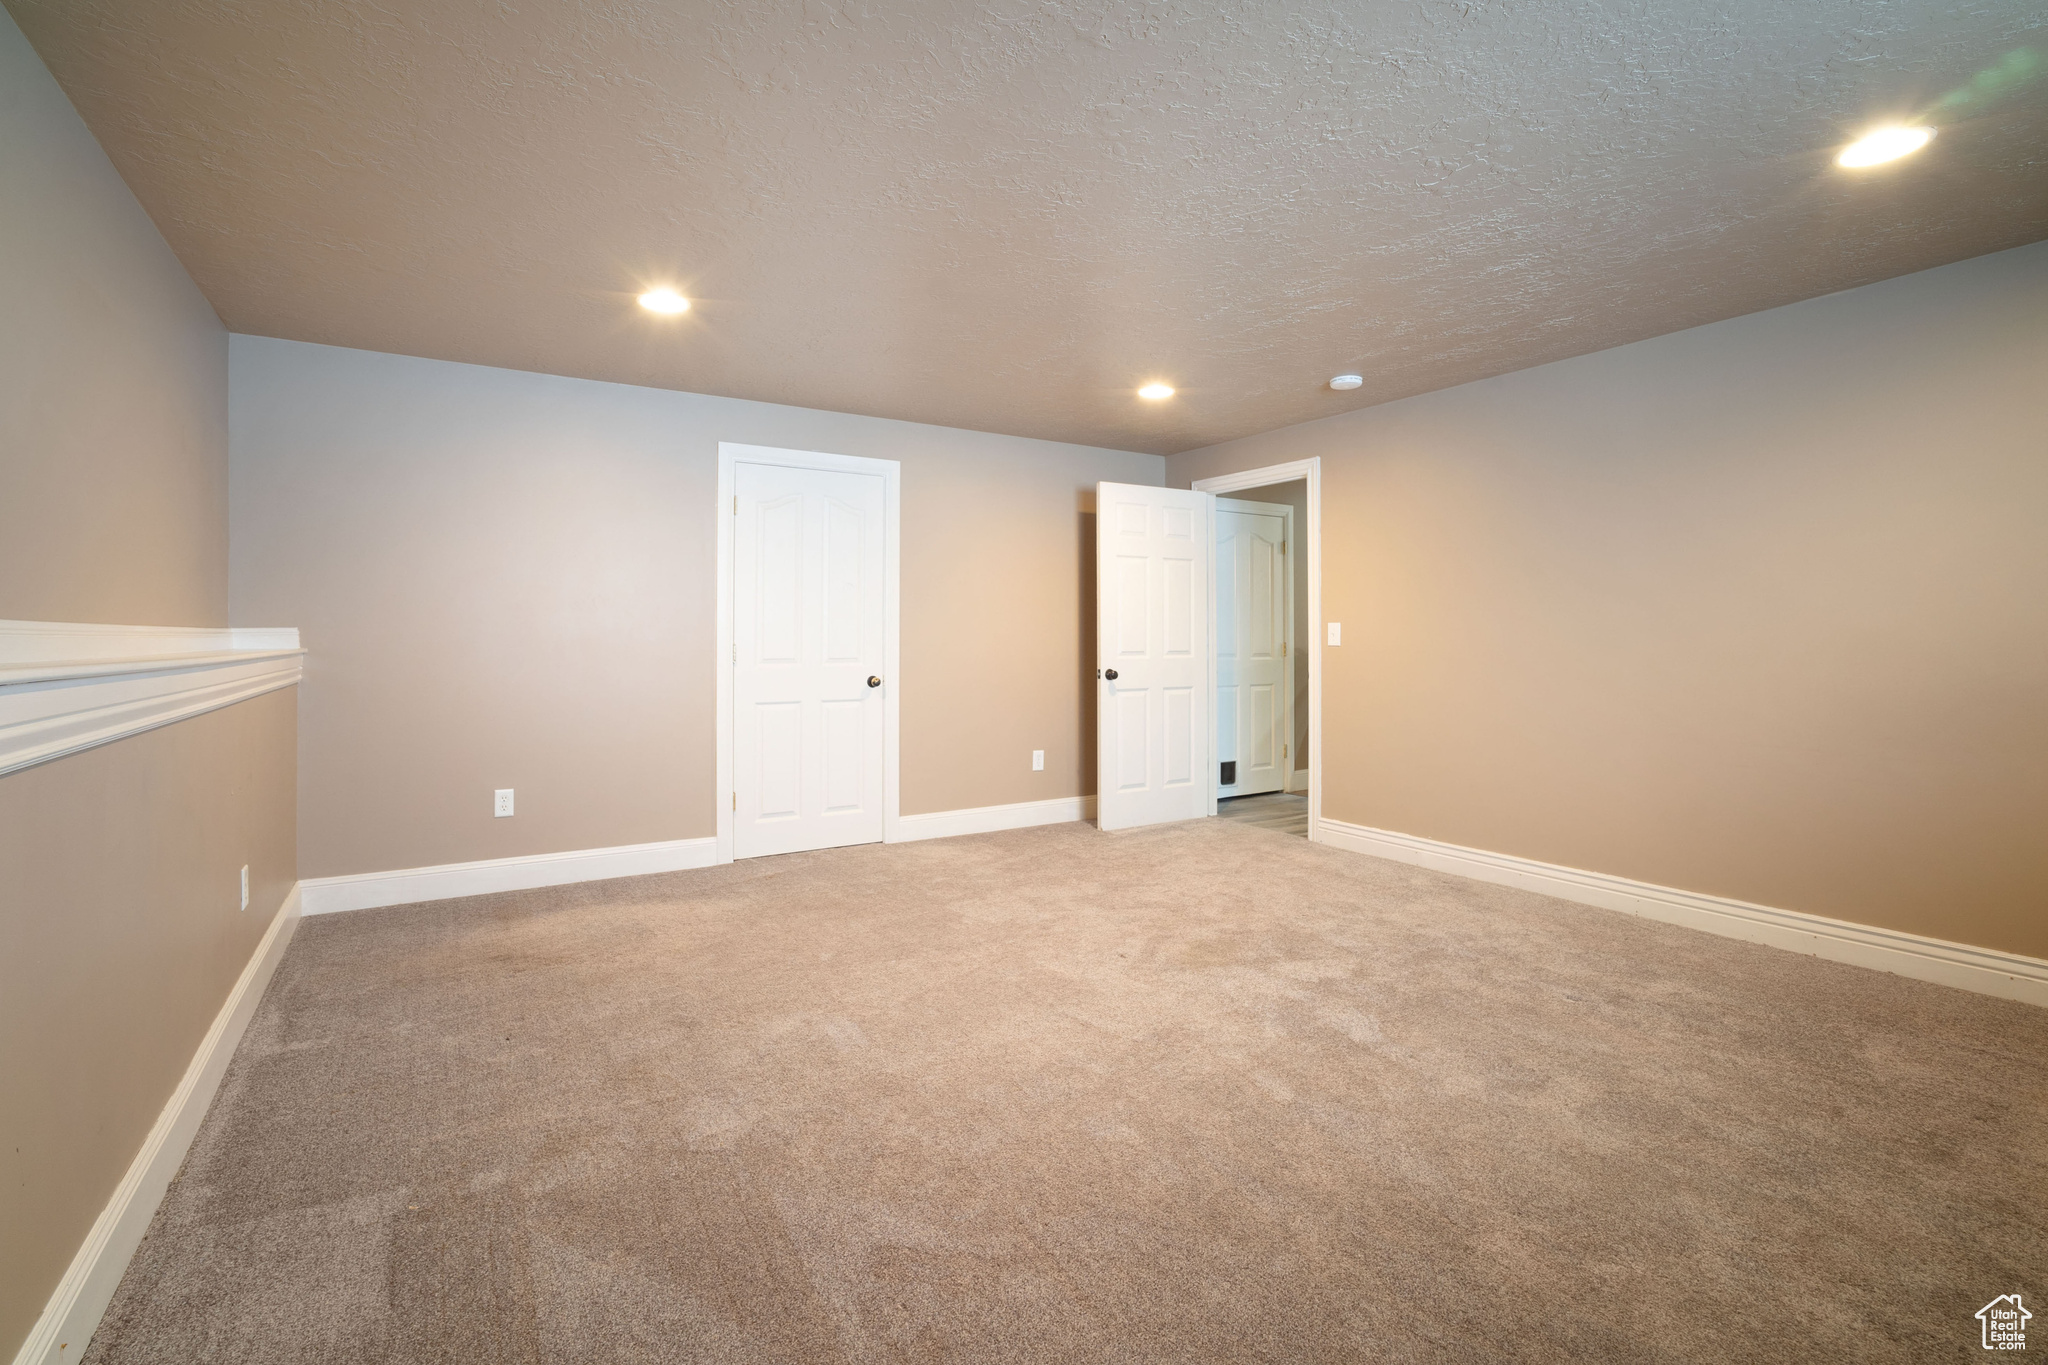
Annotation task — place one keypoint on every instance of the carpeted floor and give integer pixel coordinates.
(1195, 1093)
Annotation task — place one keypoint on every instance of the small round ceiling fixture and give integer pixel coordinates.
(1156, 391)
(1882, 145)
(664, 301)
(1347, 381)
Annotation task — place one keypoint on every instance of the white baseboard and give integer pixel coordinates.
(944, 824)
(1297, 781)
(369, 890)
(1984, 970)
(81, 1297)
(404, 886)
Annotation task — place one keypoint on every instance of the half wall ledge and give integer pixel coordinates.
(67, 686)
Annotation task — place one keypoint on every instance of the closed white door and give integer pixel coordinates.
(807, 629)
(1152, 651)
(1254, 658)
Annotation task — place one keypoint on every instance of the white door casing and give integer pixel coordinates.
(1254, 633)
(807, 746)
(1152, 586)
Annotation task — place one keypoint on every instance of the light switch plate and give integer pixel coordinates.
(1038, 760)
(245, 886)
(503, 805)
(1336, 633)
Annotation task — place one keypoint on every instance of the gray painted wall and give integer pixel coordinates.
(113, 385)
(506, 580)
(120, 904)
(1758, 609)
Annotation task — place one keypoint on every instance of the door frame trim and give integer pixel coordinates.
(731, 453)
(1311, 472)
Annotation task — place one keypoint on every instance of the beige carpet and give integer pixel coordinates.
(1198, 1093)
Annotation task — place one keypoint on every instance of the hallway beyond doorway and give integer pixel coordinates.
(1282, 811)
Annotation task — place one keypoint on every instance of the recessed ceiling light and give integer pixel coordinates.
(1346, 381)
(1155, 392)
(664, 301)
(1886, 144)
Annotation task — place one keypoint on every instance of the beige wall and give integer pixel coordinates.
(1757, 609)
(1294, 494)
(120, 927)
(113, 385)
(121, 868)
(506, 580)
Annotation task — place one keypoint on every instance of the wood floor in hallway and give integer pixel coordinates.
(1269, 810)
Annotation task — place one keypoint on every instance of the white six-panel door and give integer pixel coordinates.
(807, 639)
(1254, 663)
(1152, 549)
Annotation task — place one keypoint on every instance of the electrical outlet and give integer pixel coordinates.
(503, 805)
(1038, 760)
(245, 886)
(1336, 633)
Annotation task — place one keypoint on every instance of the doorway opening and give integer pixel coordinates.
(1267, 664)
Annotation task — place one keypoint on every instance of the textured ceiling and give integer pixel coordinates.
(1005, 215)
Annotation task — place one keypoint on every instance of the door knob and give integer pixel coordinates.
(1111, 675)
(873, 681)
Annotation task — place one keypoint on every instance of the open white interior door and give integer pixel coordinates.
(1152, 553)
